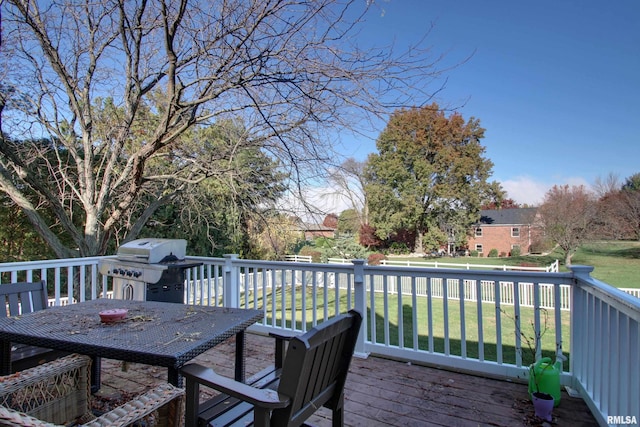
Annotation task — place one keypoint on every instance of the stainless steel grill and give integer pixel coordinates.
(149, 269)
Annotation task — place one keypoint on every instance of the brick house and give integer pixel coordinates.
(312, 231)
(504, 229)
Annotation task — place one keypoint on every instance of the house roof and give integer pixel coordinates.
(316, 227)
(507, 216)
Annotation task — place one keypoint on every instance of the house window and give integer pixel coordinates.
(479, 248)
(515, 247)
(478, 232)
(515, 232)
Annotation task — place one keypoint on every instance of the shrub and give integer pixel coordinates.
(316, 255)
(474, 253)
(398, 248)
(375, 258)
(493, 253)
(515, 251)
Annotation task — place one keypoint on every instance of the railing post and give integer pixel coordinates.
(579, 348)
(231, 285)
(360, 304)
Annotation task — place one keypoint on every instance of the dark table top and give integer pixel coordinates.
(154, 333)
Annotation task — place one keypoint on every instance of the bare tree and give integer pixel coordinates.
(347, 181)
(115, 86)
(568, 215)
(606, 185)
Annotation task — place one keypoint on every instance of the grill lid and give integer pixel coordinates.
(152, 251)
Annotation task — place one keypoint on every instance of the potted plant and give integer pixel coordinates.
(544, 375)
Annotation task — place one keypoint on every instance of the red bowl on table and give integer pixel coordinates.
(112, 315)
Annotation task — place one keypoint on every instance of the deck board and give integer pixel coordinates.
(383, 392)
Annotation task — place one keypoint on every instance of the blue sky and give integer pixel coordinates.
(556, 84)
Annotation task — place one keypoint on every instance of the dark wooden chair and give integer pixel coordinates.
(310, 374)
(22, 298)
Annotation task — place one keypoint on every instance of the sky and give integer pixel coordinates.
(556, 84)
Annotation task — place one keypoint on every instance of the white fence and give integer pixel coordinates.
(632, 291)
(552, 268)
(267, 279)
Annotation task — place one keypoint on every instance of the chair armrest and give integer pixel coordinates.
(11, 418)
(263, 398)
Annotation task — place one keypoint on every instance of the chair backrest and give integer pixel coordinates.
(57, 392)
(23, 297)
(315, 368)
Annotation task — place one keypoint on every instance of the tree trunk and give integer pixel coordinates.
(567, 259)
(418, 248)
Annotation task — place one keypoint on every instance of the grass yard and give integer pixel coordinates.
(432, 325)
(440, 324)
(615, 262)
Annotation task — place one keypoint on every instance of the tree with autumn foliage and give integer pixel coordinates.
(429, 177)
(568, 216)
(619, 207)
(504, 204)
(367, 237)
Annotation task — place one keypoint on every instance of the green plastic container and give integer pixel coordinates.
(547, 375)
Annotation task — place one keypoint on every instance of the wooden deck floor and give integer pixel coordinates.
(381, 392)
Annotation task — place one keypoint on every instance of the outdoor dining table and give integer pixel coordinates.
(153, 333)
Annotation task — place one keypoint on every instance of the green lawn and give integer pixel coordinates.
(389, 332)
(616, 263)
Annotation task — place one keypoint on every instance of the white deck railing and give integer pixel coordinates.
(412, 315)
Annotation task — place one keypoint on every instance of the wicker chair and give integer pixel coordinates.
(58, 392)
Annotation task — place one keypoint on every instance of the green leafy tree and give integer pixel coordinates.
(349, 222)
(18, 240)
(273, 236)
(429, 176)
(217, 215)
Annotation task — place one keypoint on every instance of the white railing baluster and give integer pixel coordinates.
(399, 307)
(480, 316)
(498, 313)
(374, 309)
(445, 320)
(463, 319)
(414, 314)
(517, 316)
(385, 319)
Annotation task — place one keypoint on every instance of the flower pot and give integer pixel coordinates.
(544, 376)
(543, 405)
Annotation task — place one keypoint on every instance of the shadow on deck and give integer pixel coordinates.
(382, 392)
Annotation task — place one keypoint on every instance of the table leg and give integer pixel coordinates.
(5, 365)
(240, 345)
(96, 368)
(174, 377)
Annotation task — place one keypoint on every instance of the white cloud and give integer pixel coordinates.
(526, 190)
(319, 201)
